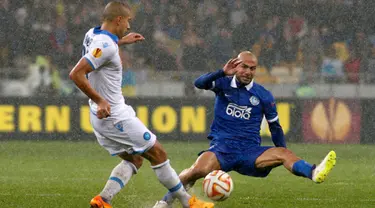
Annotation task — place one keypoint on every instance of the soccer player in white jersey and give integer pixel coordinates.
(98, 74)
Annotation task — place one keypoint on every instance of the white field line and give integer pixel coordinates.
(306, 199)
(56, 195)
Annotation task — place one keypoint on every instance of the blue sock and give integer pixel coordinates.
(303, 168)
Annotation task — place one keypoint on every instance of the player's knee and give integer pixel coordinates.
(156, 155)
(137, 161)
(283, 153)
(161, 154)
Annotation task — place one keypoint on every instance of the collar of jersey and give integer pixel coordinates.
(234, 83)
(97, 31)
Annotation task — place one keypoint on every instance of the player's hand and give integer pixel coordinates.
(230, 67)
(104, 109)
(131, 38)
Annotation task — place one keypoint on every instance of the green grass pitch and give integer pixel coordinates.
(45, 174)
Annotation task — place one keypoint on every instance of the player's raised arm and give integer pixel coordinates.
(78, 75)
(207, 81)
(272, 117)
(131, 38)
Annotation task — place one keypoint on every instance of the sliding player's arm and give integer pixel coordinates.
(272, 117)
(277, 133)
(207, 81)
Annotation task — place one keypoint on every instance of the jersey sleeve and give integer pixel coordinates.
(270, 110)
(217, 85)
(100, 52)
(210, 81)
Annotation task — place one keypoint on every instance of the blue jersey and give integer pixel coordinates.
(239, 110)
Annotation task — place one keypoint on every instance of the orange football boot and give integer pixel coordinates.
(196, 203)
(98, 202)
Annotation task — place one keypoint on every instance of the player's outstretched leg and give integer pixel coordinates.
(276, 156)
(205, 163)
(119, 177)
(169, 178)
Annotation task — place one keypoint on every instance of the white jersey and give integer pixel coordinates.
(122, 131)
(102, 52)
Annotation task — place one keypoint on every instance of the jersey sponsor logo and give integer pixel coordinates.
(254, 100)
(97, 52)
(237, 111)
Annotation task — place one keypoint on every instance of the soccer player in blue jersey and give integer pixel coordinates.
(240, 106)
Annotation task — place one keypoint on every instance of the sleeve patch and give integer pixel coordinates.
(97, 52)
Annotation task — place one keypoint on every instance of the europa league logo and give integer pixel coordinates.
(331, 121)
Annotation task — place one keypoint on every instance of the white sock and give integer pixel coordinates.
(120, 176)
(169, 197)
(169, 178)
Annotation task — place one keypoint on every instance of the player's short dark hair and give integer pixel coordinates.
(114, 9)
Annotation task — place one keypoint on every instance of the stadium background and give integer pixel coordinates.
(316, 56)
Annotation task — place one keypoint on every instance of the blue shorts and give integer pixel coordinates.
(241, 159)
